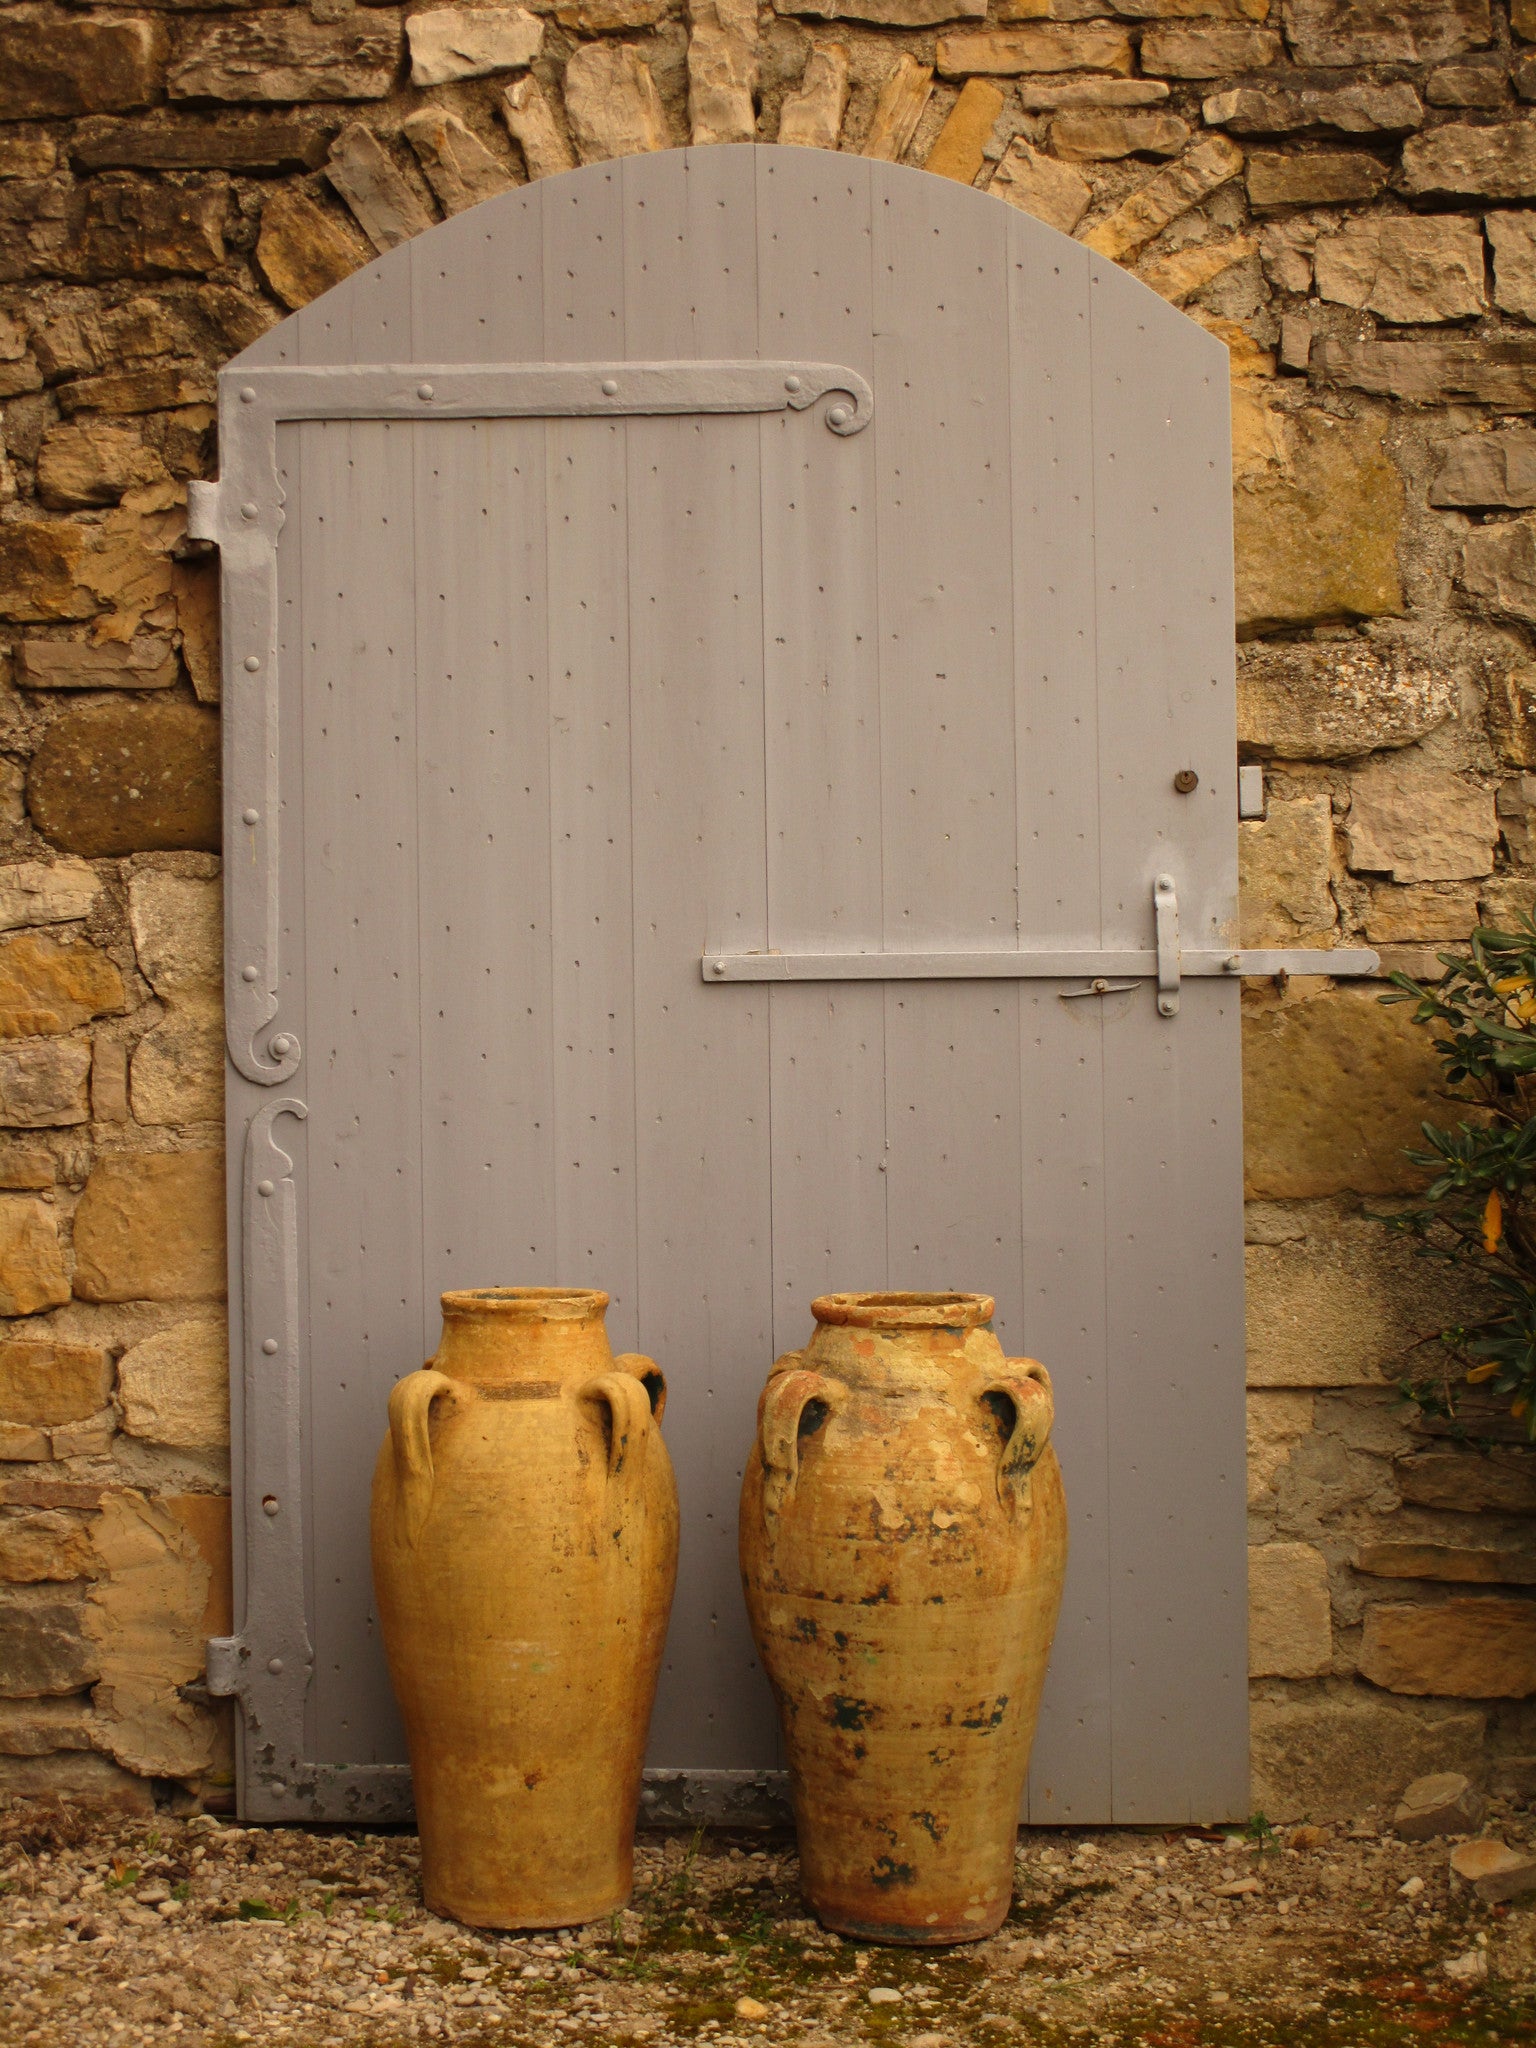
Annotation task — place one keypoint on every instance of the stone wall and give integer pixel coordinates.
(1346, 193)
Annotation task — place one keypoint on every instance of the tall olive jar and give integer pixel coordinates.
(524, 1554)
(903, 1541)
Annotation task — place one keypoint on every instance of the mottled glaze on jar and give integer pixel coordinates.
(524, 1555)
(903, 1542)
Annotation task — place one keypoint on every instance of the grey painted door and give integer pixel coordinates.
(582, 675)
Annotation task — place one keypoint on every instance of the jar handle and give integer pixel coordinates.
(627, 1394)
(1026, 1387)
(790, 1391)
(410, 1415)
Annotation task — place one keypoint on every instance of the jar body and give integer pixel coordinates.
(903, 1543)
(524, 1552)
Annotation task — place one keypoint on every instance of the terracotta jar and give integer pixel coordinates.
(524, 1553)
(903, 1540)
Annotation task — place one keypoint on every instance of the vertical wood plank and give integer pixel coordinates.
(702, 1071)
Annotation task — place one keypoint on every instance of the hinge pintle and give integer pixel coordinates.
(226, 1658)
(203, 512)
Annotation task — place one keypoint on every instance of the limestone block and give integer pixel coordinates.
(1522, 19)
(39, 561)
(46, 1083)
(43, 1645)
(91, 1438)
(1290, 1625)
(1207, 52)
(1284, 864)
(1039, 185)
(46, 892)
(1420, 915)
(1326, 1759)
(1419, 823)
(1385, 31)
(450, 43)
(143, 1622)
(1498, 565)
(906, 90)
(195, 590)
(27, 154)
(1335, 1085)
(92, 464)
(722, 70)
(887, 13)
(1496, 469)
(146, 662)
(206, 1518)
(303, 250)
(93, 1783)
(192, 142)
(32, 1273)
(173, 1388)
(1462, 161)
(1495, 1872)
(44, 1382)
(455, 162)
(1478, 83)
(1052, 95)
(604, 17)
(152, 390)
(1277, 1421)
(67, 67)
(1497, 373)
(1466, 1647)
(128, 778)
(20, 1443)
(1006, 52)
(1458, 1563)
(531, 122)
(1511, 705)
(26, 1165)
(1176, 277)
(812, 117)
(612, 103)
(127, 226)
(959, 148)
(176, 1074)
(44, 1548)
(1199, 172)
(1318, 512)
(387, 206)
(1404, 269)
(1320, 177)
(1465, 1482)
(1512, 238)
(39, 1728)
(1181, 10)
(1346, 110)
(1085, 138)
(150, 1227)
(283, 57)
(1320, 701)
(49, 985)
(1444, 1803)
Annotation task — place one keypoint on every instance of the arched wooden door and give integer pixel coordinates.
(710, 643)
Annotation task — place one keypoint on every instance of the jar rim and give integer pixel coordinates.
(526, 1304)
(895, 1311)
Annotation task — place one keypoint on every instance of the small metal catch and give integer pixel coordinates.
(1098, 987)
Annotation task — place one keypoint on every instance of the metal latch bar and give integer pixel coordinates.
(1165, 911)
(1341, 962)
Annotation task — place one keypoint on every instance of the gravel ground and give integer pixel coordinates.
(119, 1932)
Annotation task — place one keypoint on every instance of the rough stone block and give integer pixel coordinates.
(1318, 177)
(1322, 32)
(450, 43)
(173, 1388)
(128, 778)
(26, 1165)
(1467, 1482)
(1481, 82)
(1498, 566)
(1420, 915)
(45, 1084)
(43, 1644)
(44, 1548)
(1177, 276)
(1290, 1626)
(887, 13)
(156, 389)
(1497, 469)
(1497, 373)
(303, 250)
(68, 67)
(1327, 700)
(150, 1227)
(387, 206)
(1277, 1421)
(39, 565)
(27, 154)
(612, 103)
(1461, 1648)
(1318, 513)
(40, 1728)
(604, 17)
(1419, 823)
(1512, 238)
(1037, 184)
(1335, 1085)
(44, 1383)
(94, 1783)
(1202, 169)
(21, 1443)
(127, 226)
(1052, 95)
(1458, 1563)
(1207, 52)
(812, 118)
(49, 985)
(1004, 53)
(46, 892)
(532, 125)
(176, 1075)
(722, 70)
(32, 1272)
(1460, 161)
(1444, 1803)
(903, 96)
(146, 662)
(455, 162)
(959, 148)
(194, 142)
(1101, 137)
(282, 57)
(1496, 1872)
(1345, 110)
(1324, 1759)
(1285, 862)
(1404, 269)
(92, 464)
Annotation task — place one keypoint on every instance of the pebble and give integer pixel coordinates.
(751, 2009)
(883, 1994)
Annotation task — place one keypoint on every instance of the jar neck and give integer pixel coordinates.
(498, 1336)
